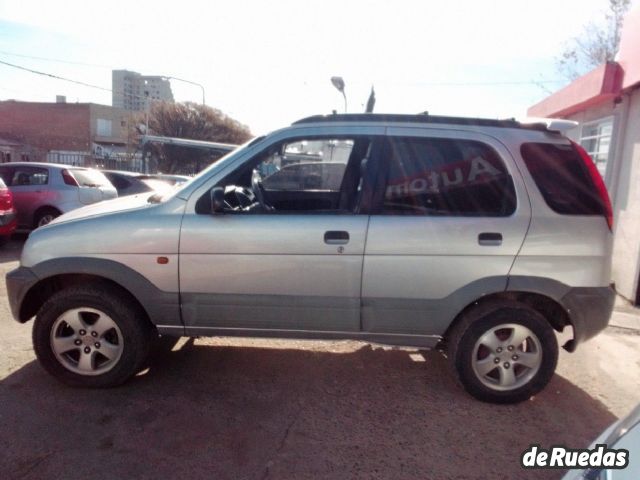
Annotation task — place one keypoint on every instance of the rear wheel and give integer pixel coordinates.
(45, 216)
(503, 352)
(91, 337)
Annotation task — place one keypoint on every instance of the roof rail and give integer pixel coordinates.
(419, 118)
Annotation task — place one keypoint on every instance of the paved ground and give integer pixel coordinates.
(273, 409)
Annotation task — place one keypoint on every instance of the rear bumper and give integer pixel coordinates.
(589, 310)
(19, 281)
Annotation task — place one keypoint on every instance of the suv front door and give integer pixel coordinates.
(292, 263)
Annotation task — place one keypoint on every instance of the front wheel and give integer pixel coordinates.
(503, 352)
(91, 337)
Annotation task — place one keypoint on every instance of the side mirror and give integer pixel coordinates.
(217, 200)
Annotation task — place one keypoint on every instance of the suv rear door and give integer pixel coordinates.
(449, 217)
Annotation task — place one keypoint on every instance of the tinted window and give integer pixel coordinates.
(562, 178)
(118, 181)
(25, 176)
(7, 174)
(434, 176)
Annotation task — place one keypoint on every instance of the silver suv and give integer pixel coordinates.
(480, 237)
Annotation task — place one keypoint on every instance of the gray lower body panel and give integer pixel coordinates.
(271, 312)
(589, 309)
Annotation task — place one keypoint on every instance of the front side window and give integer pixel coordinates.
(446, 177)
(316, 165)
(313, 175)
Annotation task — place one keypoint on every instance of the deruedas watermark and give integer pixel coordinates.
(559, 456)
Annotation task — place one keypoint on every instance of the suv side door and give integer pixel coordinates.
(298, 267)
(449, 216)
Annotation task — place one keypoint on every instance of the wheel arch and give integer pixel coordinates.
(38, 294)
(548, 307)
(40, 211)
(53, 275)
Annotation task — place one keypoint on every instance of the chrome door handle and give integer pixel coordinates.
(490, 239)
(336, 237)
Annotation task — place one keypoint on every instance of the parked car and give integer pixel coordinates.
(132, 183)
(43, 191)
(623, 434)
(7, 213)
(479, 237)
(170, 179)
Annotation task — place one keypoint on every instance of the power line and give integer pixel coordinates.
(425, 84)
(51, 75)
(33, 57)
(78, 82)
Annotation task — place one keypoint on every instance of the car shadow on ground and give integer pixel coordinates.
(206, 411)
(10, 251)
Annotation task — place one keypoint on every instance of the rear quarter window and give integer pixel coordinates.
(562, 178)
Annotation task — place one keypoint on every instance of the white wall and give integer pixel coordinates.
(626, 249)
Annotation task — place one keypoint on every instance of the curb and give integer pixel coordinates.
(626, 320)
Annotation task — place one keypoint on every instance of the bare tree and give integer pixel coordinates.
(192, 121)
(598, 43)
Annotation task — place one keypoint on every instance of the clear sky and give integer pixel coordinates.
(268, 63)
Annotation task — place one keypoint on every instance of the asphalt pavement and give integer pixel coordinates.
(256, 409)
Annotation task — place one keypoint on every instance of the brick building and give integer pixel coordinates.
(76, 133)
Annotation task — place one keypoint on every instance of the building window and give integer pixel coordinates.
(103, 128)
(595, 137)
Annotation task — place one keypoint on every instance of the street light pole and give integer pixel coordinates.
(338, 82)
(188, 81)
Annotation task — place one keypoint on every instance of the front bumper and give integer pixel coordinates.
(589, 309)
(19, 282)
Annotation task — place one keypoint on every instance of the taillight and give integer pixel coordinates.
(68, 178)
(6, 199)
(598, 182)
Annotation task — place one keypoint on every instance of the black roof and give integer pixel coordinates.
(419, 118)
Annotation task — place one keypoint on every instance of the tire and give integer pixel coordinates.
(44, 216)
(90, 336)
(490, 336)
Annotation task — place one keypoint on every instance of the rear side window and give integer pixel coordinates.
(562, 178)
(446, 177)
(26, 176)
